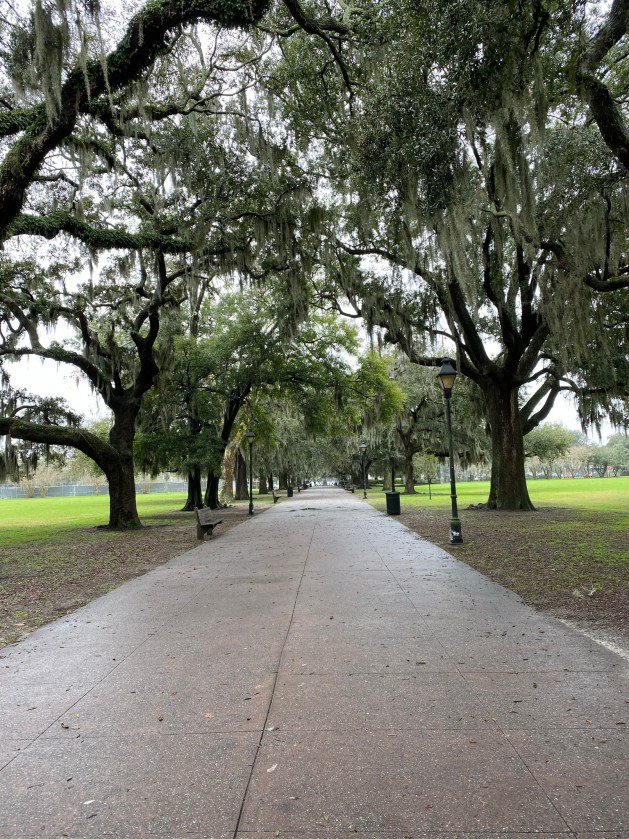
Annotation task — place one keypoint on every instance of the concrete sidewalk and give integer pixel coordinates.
(318, 671)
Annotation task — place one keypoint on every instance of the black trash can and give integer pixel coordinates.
(393, 503)
(289, 492)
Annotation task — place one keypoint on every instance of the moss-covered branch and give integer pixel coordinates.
(594, 92)
(143, 41)
(63, 356)
(57, 435)
(98, 238)
(19, 119)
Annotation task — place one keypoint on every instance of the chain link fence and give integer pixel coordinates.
(8, 491)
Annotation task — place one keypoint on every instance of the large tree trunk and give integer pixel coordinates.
(123, 511)
(283, 479)
(211, 491)
(508, 490)
(242, 491)
(195, 494)
(409, 483)
(270, 481)
(262, 486)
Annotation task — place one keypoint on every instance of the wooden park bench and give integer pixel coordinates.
(205, 522)
(276, 498)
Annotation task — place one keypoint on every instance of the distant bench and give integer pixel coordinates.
(276, 498)
(205, 522)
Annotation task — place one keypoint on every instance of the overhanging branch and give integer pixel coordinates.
(54, 435)
(144, 39)
(99, 238)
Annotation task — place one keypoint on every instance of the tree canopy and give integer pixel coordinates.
(195, 191)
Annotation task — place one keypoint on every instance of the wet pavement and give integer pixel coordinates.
(318, 671)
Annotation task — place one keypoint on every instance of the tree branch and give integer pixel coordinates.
(594, 92)
(56, 435)
(103, 238)
(143, 41)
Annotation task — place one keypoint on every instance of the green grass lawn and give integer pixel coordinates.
(571, 556)
(38, 519)
(41, 519)
(606, 494)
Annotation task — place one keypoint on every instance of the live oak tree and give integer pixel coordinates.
(248, 348)
(419, 427)
(168, 235)
(477, 205)
(75, 134)
(119, 166)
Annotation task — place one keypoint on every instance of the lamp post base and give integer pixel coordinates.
(250, 508)
(455, 532)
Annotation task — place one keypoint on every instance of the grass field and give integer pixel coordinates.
(571, 556)
(607, 494)
(39, 519)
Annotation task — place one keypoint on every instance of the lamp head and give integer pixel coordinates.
(447, 375)
(249, 435)
(363, 447)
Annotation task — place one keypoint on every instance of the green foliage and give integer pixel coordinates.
(549, 442)
(248, 354)
(618, 453)
(378, 397)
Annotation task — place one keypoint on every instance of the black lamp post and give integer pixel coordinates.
(250, 438)
(447, 375)
(363, 449)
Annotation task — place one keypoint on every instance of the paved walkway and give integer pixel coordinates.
(314, 672)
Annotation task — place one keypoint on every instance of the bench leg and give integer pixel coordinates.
(200, 532)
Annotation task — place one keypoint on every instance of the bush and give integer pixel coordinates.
(28, 485)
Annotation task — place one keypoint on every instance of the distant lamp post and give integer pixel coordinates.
(447, 375)
(363, 449)
(250, 436)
